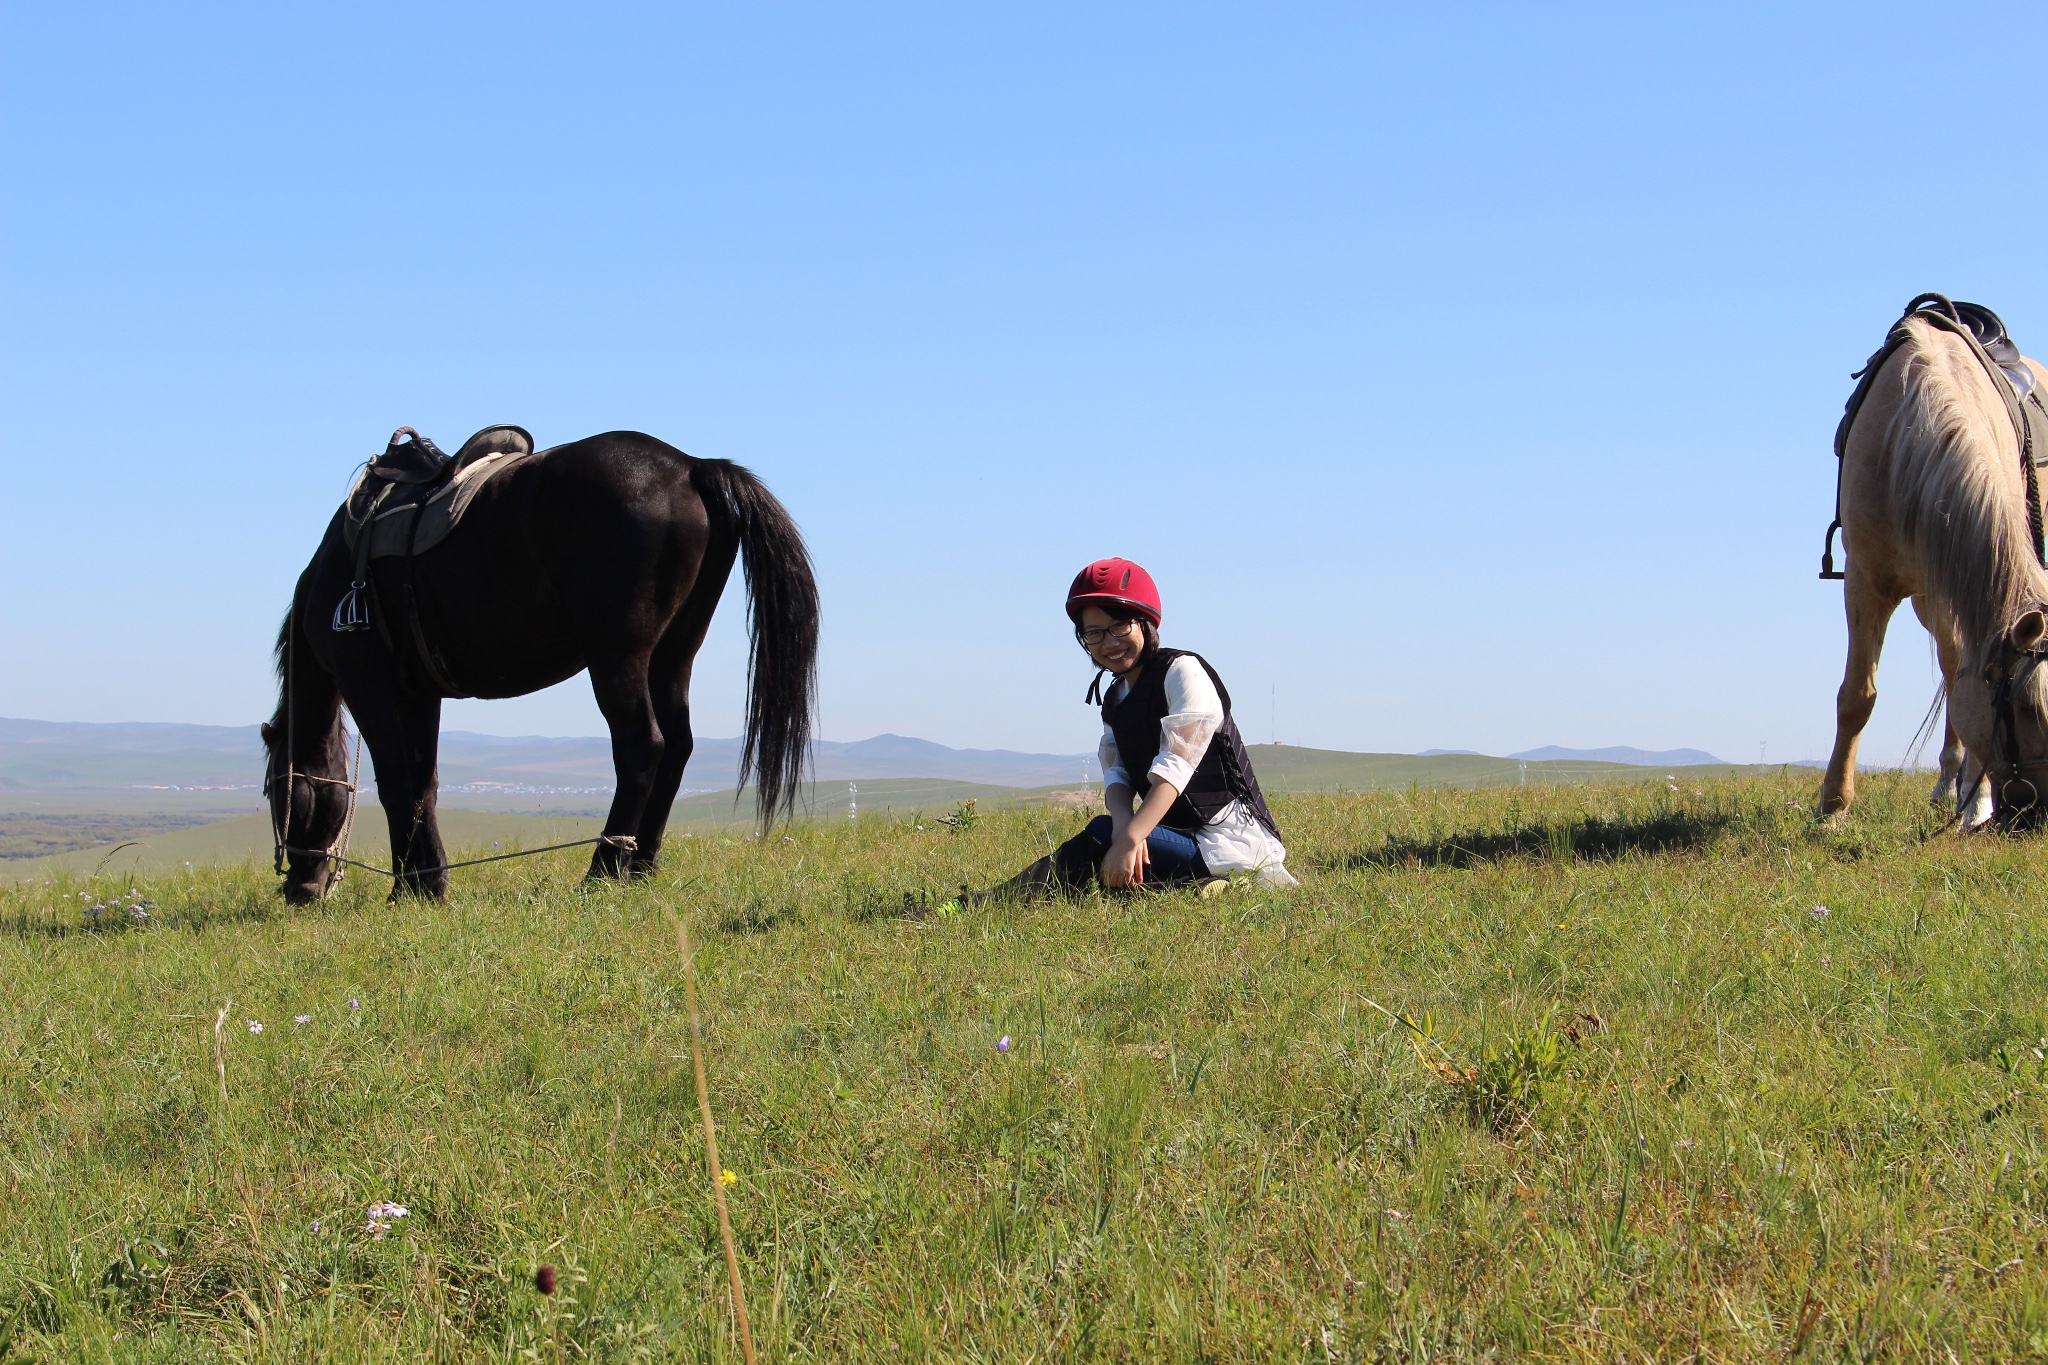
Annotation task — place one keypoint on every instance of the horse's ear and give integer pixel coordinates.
(268, 731)
(2028, 630)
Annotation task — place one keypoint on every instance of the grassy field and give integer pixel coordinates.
(1682, 1077)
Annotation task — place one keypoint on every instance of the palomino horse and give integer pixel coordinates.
(1935, 506)
(608, 554)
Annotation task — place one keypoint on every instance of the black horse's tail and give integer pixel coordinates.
(782, 628)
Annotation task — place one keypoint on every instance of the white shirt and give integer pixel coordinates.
(1232, 842)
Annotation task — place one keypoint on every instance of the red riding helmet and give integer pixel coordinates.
(1114, 582)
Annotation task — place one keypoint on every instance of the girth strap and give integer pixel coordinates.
(435, 666)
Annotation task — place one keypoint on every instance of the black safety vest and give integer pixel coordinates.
(1225, 772)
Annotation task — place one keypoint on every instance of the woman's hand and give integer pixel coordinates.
(1128, 857)
(1126, 861)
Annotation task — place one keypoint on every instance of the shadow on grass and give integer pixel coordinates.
(1588, 840)
(47, 925)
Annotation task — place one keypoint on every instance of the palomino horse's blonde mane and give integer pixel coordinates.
(1956, 481)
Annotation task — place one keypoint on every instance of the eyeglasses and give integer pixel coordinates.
(1095, 635)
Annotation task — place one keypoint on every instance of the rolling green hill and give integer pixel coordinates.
(469, 833)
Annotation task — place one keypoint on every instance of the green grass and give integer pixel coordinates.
(1648, 1105)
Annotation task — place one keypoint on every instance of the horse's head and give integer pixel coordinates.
(309, 805)
(2000, 711)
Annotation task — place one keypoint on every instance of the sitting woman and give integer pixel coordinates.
(1184, 805)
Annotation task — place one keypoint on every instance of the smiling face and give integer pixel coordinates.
(1117, 643)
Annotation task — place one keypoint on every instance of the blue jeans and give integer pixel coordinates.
(1175, 858)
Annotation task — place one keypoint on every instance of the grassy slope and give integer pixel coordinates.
(1205, 1143)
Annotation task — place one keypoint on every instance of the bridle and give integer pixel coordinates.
(281, 823)
(2016, 798)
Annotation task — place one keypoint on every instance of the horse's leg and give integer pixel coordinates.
(1869, 610)
(668, 682)
(1974, 807)
(1941, 630)
(1948, 781)
(672, 710)
(404, 736)
(620, 683)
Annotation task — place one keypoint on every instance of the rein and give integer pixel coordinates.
(625, 842)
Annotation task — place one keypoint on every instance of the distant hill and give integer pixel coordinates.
(489, 769)
(1621, 753)
(1284, 768)
(54, 755)
(166, 845)
(545, 790)
(42, 754)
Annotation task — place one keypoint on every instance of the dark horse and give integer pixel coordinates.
(608, 554)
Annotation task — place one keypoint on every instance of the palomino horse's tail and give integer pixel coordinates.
(782, 628)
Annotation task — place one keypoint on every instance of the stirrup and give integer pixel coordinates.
(351, 612)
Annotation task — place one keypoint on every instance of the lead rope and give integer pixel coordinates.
(624, 842)
(338, 850)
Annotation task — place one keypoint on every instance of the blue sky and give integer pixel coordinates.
(1466, 375)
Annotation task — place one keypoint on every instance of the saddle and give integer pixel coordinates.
(1985, 333)
(413, 495)
(405, 502)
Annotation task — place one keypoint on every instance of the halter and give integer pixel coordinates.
(2016, 799)
(281, 826)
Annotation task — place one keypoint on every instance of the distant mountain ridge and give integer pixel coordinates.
(71, 754)
(45, 755)
(1622, 753)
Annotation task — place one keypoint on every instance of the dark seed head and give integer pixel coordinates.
(544, 1279)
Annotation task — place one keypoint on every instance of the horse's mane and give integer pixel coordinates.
(318, 701)
(1955, 477)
